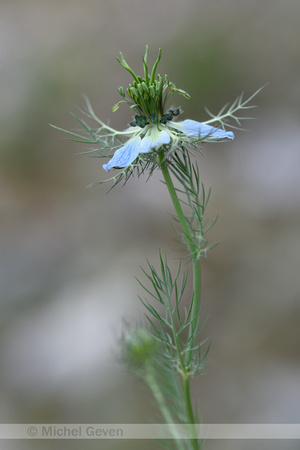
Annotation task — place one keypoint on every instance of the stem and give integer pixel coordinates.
(177, 205)
(195, 259)
(154, 387)
(195, 307)
(189, 408)
(196, 294)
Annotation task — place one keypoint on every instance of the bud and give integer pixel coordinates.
(121, 91)
(152, 91)
(182, 92)
(141, 90)
(139, 347)
(158, 87)
(115, 107)
(135, 93)
(145, 87)
(161, 83)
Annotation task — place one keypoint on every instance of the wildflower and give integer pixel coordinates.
(153, 128)
(153, 137)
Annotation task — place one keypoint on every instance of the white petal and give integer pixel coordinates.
(202, 131)
(154, 139)
(125, 155)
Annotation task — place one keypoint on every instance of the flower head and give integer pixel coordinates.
(154, 128)
(155, 134)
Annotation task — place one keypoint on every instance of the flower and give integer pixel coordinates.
(154, 136)
(153, 129)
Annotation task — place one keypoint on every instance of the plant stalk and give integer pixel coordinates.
(196, 294)
(150, 379)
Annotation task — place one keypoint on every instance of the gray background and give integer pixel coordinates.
(69, 254)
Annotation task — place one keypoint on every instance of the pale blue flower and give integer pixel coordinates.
(154, 136)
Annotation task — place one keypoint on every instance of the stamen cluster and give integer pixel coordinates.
(148, 95)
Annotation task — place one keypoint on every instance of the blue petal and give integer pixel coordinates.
(125, 155)
(202, 131)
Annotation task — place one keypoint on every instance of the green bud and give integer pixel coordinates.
(134, 92)
(141, 90)
(145, 87)
(152, 91)
(182, 92)
(139, 347)
(158, 88)
(121, 91)
(115, 107)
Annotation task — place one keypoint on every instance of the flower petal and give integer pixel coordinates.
(154, 139)
(201, 130)
(125, 155)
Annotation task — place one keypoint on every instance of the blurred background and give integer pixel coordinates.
(69, 255)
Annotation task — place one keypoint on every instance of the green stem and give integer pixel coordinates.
(181, 217)
(189, 408)
(160, 400)
(196, 263)
(196, 293)
(195, 307)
